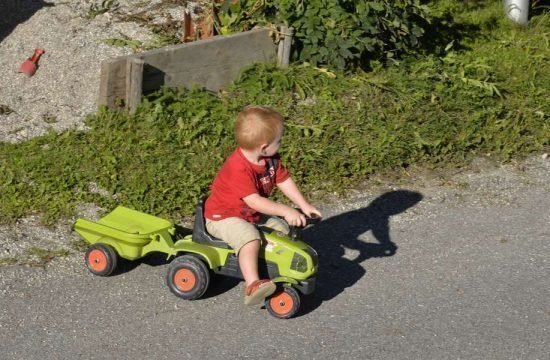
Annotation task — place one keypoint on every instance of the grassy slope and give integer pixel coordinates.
(485, 93)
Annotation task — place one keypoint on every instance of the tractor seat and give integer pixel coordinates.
(200, 235)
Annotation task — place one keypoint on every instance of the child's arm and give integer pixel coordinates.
(265, 206)
(291, 191)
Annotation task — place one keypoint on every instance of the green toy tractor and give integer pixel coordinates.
(131, 235)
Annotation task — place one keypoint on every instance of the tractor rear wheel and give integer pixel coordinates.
(188, 277)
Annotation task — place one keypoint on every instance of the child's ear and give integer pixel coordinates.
(263, 147)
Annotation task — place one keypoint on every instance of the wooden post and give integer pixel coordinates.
(281, 45)
(188, 30)
(285, 46)
(112, 85)
(134, 83)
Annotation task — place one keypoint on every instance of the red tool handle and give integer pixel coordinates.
(37, 53)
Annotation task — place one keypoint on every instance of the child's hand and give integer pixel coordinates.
(295, 218)
(311, 211)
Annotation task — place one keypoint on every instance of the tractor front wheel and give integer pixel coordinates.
(188, 277)
(101, 259)
(284, 303)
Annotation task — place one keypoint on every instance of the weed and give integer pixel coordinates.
(134, 45)
(49, 118)
(36, 257)
(5, 110)
(160, 40)
(16, 130)
(40, 257)
(8, 261)
(105, 6)
(80, 245)
(339, 34)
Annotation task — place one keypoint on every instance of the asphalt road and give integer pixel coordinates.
(466, 278)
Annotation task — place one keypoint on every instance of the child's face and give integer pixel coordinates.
(271, 149)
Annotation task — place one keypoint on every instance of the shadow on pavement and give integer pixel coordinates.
(331, 238)
(15, 12)
(153, 260)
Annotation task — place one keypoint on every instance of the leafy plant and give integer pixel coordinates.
(241, 15)
(134, 45)
(341, 34)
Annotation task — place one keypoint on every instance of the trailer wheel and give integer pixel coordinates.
(284, 303)
(188, 277)
(101, 259)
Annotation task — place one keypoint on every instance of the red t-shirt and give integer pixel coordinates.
(239, 178)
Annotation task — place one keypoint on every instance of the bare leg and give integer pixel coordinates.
(248, 261)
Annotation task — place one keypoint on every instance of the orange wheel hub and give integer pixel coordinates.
(281, 303)
(184, 279)
(97, 260)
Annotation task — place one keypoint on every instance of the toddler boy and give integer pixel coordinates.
(239, 195)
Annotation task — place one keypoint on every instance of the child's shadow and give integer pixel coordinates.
(331, 238)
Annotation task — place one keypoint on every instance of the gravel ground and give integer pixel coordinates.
(65, 87)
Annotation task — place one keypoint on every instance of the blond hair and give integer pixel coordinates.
(257, 125)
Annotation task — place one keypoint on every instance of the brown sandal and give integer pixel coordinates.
(256, 292)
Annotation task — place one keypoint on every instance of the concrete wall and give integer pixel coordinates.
(211, 63)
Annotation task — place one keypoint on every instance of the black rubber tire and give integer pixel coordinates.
(101, 259)
(188, 277)
(284, 303)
